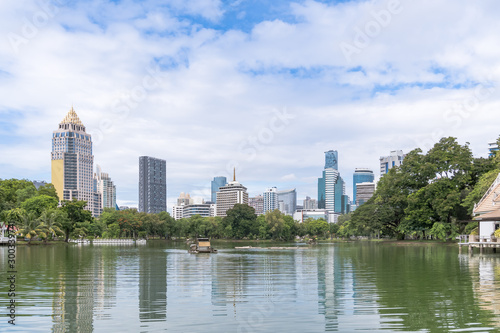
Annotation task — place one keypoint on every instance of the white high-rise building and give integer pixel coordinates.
(229, 195)
(106, 189)
(388, 162)
(270, 199)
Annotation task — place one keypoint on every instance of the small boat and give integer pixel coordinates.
(202, 245)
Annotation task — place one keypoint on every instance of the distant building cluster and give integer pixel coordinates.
(73, 177)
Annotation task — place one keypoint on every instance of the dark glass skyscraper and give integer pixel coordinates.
(217, 183)
(152, 185)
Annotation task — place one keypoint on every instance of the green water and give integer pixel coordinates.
(344, 287)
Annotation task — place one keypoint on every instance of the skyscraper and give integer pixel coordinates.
(361, 175)
(72, 161)
(388, 162)
(331, 187)
(310, 203)
(364, 191)
(287, 201)
(152, 185)
(217, 183)
(229, 195)
(270, 199)
(106, 189)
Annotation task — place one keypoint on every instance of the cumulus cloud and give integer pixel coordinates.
(176, 80)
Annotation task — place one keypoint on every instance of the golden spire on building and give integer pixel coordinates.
(71, 118)
(234, 174)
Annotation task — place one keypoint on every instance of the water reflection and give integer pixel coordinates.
(153, 285)
(330, 287)
(486, 269)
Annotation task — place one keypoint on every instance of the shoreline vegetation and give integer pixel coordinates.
(429, 197)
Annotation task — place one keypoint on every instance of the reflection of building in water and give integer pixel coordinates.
(344, 292)
(487, 284)
(330, 288)
(84, 291)
(153, 287)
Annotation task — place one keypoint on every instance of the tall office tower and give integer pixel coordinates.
(105, 187)
(229, 195)
(72, 161)
(310, 203)
(287, 201)
(257, 203)
(331, 187)
(217, 183)
(361, 175)
(270, 199)
(152, 185)
(364, 191)
(388, 162)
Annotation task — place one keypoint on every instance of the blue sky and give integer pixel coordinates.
(265, 86)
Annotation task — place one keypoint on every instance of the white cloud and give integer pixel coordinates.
(218, 90)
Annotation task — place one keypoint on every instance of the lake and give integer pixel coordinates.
(341, 287)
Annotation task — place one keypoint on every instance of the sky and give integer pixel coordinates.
(263, 86)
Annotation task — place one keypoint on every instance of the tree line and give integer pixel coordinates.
(37, 215)
(430, 195)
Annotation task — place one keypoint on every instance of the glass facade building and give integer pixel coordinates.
(287, 201)
(152, 185)
(331, 186)
(217, 183)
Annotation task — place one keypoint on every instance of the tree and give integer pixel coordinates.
(14, 191)
(77, 216)
(38, 204)
(240, 222)
(50, 221)
(30, 227)
(48, 189)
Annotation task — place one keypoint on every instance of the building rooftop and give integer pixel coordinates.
(71, 118)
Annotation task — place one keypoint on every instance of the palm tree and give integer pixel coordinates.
(49, 223)
(30, 227)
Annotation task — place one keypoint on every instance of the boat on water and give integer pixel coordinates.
(202, 245)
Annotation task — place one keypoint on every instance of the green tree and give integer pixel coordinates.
(50, 221)
(48, 189)
(240, 222)
(77, 217)
(30, 227)
(38, 204)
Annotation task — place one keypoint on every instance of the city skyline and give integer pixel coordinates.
(266, 88)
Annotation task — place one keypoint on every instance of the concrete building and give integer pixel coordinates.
(257, 203)
(105, 187)
(184, 199)
(361, 175)
(364, 191)
(72, 161)
(152, 185)
(310, 203)
(388, 162)
(229, 195)
(287, 201)
(270, 199)
(316, 214)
